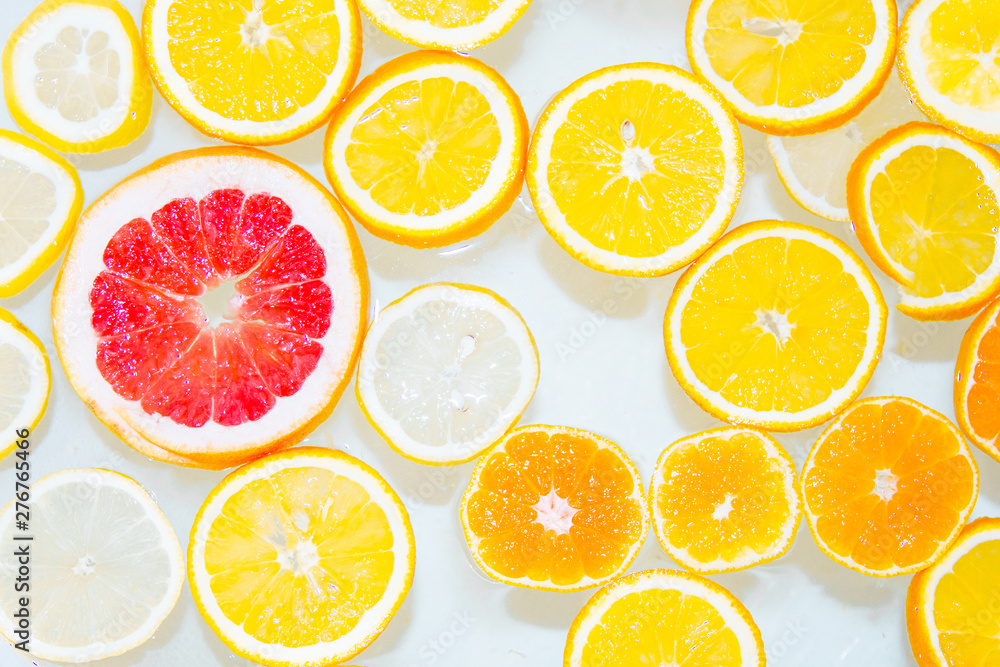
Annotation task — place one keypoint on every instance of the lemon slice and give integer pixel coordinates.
(73, 76)
(256, 71)
(300, 558)
(813, 168)
(24, 365)
(636, 169)
(445, 371)
(793, 67)
(428, 149)
(454, 25)
(106, 566)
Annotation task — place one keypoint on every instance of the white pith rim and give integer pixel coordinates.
(556, 114)
(472, 299)
(38, 389)
(810, 201)
(140, 196)
(384, 14)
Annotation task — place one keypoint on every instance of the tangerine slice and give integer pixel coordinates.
(977, 382)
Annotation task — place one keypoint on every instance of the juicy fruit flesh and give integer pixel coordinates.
(636, 168)
(777, 324)
(155, 343)
(723, 497)
(554, 508)
(78, 74)
(27, 199)
(936, 217)
(298, 558)
(983, 402)
(962, 46)
(661, 627)
(254, 60)
(791, 53)
(446, 13)
(458, 371)
(888, 486)
(424, 147)
(966, 607)
(16, 372)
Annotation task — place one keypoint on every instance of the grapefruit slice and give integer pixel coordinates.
(210, 307)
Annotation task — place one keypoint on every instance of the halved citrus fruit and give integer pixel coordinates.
(888, 486)
(454, 25)
(260, 72)
(953, 607)
(977, 382)
(925, 204)
(105, 567)
(24, 366)
(664, 617)
(777, 326)
(813, 168)
(74, 78)
(211, 306)
(948, 59)
(445, 371)
(40, 200)
(554, 508)
(428, 149)
(636, 169)
(300, 558)
(794, 67)
(725, 500)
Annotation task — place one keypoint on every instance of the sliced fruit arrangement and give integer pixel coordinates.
(952, 615)
(428, 149)
(777, 326)
(725, 500)
(74, 77)
(108, 566)
(663, 617)
(813, 168)
(40, 200)
(300, 558)
(925, 204)
(445, 371)
(977, 382)
(260, 72)
(452, 25)
(794, 67)
(554, 508)
(211, 306)
(636, 169)
(27, 379)
(948, 60)
(888, 486)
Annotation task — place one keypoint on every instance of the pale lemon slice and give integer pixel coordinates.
(27, 379)
(453, 25)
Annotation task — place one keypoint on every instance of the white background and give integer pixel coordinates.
(614, 380)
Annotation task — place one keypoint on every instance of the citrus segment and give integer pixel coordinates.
(888, 486)
(453, 25)
(554, 508)
(635, 169)
(977, 382)
(74, 78)
(24, 365)
(445, 371)
(663, 617)
(794, 67)
(725, 500)
(777, 326)
(300, 558)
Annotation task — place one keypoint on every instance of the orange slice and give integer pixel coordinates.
(454, 25)
(888, 486)
(725, 500)
(554, 508)
(977, 382)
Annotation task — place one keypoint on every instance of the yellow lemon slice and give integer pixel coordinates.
(454, 25)
(24, 365)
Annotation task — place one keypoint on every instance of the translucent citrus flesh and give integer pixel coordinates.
(77, 74)
(458, 372)
(27, 199)
(966, 603)
(254, 60)
(299, 557)
(425, 146)
(661, 627)
(157, 345)
(983, 402)
(776, 325)
(16, 371)
(789, 53)
(554, 508)
(636, 168)
(722, 497)
(446, 13)
(888, 486)
(961, 43)
(936, 217)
